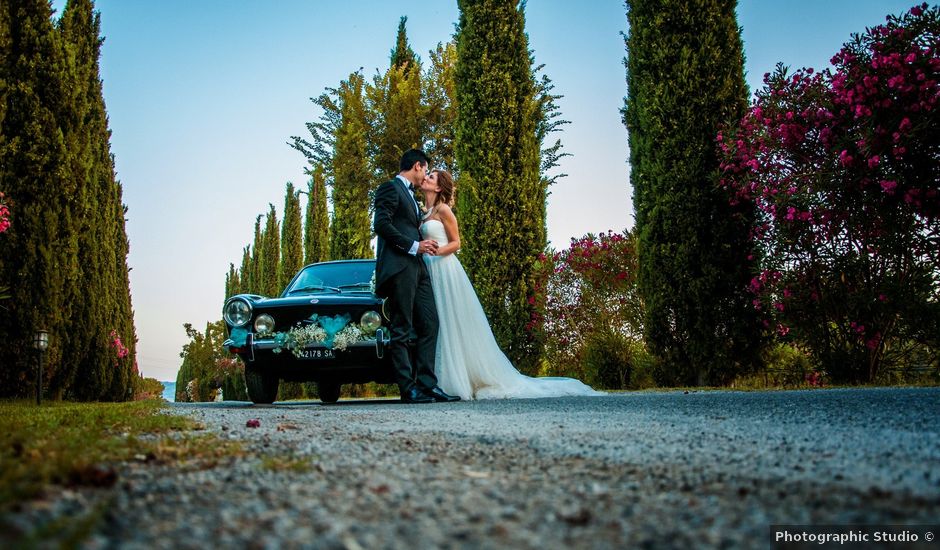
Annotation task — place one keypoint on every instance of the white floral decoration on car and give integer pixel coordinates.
(301, 336)
(350, 334)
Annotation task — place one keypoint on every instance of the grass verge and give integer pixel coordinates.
(71, 444)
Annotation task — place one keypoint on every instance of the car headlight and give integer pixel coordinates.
(264, 324)
(370, 321)
(237, 312)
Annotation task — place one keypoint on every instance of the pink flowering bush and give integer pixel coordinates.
(120, 350)
(843, 169)
(4, 214)
(4, 225)
(591, 301)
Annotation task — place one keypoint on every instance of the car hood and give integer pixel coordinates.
(357, 298)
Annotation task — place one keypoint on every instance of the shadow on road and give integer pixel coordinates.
(288, 404)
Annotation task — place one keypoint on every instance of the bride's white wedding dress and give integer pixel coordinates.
(469, 362)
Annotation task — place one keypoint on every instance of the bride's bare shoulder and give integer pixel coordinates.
(445, 211)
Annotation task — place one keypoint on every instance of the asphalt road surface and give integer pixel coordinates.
(707, 469)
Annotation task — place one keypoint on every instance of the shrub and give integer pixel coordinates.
(844, 169)
(148, 388)
(617, 362)
(590, 294)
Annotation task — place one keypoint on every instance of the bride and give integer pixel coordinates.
(469, 361)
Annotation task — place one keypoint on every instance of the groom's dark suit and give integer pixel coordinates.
(402, 278)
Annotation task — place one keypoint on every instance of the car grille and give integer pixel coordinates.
(286, 318)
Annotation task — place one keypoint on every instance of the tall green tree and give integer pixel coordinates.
(502, 192)
(244, 272)
(102, 306)
(291, 262)
(440, 111)
(231, 281)
(340, 144)
(292, 246)
(317, 223)
(126, 373)
(394, 108)
(270, 256)
(254, 279)
(685, 76)
(350, 228)
(402, 56)
(39, 253)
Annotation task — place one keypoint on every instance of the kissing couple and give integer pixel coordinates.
(442, 347)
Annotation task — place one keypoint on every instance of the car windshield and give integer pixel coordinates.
(333, 277)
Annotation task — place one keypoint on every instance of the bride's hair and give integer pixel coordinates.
(446, 182)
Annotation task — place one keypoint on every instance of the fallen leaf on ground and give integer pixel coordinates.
(287, 426)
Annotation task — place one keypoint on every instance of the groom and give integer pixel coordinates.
(402, 279)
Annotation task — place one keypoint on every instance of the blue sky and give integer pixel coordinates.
(203, 96)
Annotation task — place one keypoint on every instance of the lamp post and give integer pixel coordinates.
(40, 344)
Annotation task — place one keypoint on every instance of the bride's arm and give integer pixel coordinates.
(450, 227)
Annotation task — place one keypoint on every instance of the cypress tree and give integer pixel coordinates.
(254, 279)
(685, 75)
(103, 303)
(402, 56)
(38, 254)
(231, 281)
(270, 256)
(126, 373)
(292, 246)
(351, 229)
(85, 338)
(317, 224)
(502, 193)
(244, 272)
(394, 108)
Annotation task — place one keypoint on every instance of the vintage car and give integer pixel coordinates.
(327, 327)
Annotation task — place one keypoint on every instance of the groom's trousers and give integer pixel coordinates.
(413, 325)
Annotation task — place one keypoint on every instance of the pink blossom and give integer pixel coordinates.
(845, 158)
(888, 186)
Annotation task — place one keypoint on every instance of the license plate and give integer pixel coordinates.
(317, 354)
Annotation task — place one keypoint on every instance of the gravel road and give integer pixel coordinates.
(709, 469)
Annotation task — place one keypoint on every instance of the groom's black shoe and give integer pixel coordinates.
(414, 395)
(438, 395)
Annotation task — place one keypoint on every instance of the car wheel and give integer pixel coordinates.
(262, 387)
(328, 392)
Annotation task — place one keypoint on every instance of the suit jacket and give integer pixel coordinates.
(396, 225)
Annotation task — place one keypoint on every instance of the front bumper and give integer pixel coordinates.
(264, 347)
